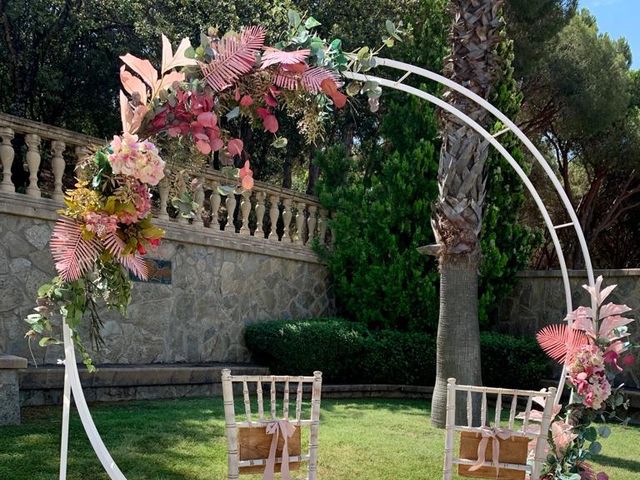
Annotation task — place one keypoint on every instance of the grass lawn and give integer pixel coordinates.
(184, 439)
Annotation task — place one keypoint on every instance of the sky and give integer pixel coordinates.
(619, 18)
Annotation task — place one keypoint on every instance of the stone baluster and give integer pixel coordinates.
(58, 165)
(81, 153)
(286, 217)
(274, 214)
(198, 197)
(33, 163)
(163, 189)
(7, 155)
(322, 226)
(231, 208)
(311, 223)
(181, 185)
(260, 209)
(300, 222)
(245, 209)
(214, 201)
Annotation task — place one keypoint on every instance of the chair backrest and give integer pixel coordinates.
(504, 398)
(258, 384)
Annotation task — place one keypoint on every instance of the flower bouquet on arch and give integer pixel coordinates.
(594, 347)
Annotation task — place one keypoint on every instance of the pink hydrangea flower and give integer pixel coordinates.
(136, 159)
(588, 376)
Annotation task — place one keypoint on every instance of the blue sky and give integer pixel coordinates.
(619, 18)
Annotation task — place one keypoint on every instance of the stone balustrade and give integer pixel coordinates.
(38, 160)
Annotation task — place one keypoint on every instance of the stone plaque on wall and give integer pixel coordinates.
(159, 272)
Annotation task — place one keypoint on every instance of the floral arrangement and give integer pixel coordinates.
(199, 95)
(594, 347)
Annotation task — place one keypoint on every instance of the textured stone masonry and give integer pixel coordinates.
(199, 318)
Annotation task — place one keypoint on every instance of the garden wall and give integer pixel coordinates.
(538, 300)
(217, 282)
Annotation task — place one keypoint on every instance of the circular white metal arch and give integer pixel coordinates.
(72, 378)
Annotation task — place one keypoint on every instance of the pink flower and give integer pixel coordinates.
(100, 223)
(587, 375)
(139, 160)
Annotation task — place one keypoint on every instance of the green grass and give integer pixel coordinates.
(184, 439)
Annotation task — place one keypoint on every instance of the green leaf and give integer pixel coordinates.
(604, 431)
(46, 341)
(590, 434)
(233, 113)
(311, 23)
(294, 18)
(280, 142)
(595, 448)
(390, 26)
(190, 52)
(33, 318)
(226, 190)
(336, 44)
(44, 289)
(230, 172)
(389, 42)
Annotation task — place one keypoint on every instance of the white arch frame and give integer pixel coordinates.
(72, 378)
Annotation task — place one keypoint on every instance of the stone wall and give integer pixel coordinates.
(538, 300)
(219, 284)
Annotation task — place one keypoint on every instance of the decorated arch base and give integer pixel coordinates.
(201, 95)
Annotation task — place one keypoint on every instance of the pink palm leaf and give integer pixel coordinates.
(236, 56)
(72, 253)
(558, 341)
(131, 261)
(312, 79)
(273, 56)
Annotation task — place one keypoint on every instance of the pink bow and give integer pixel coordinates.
(495, 434)
(287, 430)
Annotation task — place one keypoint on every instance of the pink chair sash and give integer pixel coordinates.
(277, 428)
(495, 435)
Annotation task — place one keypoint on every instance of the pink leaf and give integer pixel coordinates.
(168, 80)
(216, 144)
(582, 319)
(247, 183)
(170, 61)
(132, 261)
(203, 147)
(272, 56)
(235, 146)
(263, 112)
(207, 119)
(246, 101)
(126, 114)
(72, 254)
(245, 171)
(613, 309)
(236, 57)
(133, 85)
(270, 101)
(612, 322)
(142, 68)
(270, 123)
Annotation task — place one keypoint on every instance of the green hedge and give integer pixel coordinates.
(347, 352)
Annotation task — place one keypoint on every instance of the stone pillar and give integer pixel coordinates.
(9, 391)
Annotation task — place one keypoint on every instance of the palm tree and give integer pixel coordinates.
(457, 219)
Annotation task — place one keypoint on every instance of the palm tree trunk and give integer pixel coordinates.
(457, 219)
(458, 342)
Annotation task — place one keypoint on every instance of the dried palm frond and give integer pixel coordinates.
(558, 341)
(236, 55)
(132, 261)
(273, 56)
(312, 79)
(72, 253)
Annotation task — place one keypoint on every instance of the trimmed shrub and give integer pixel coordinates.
(348, 352)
